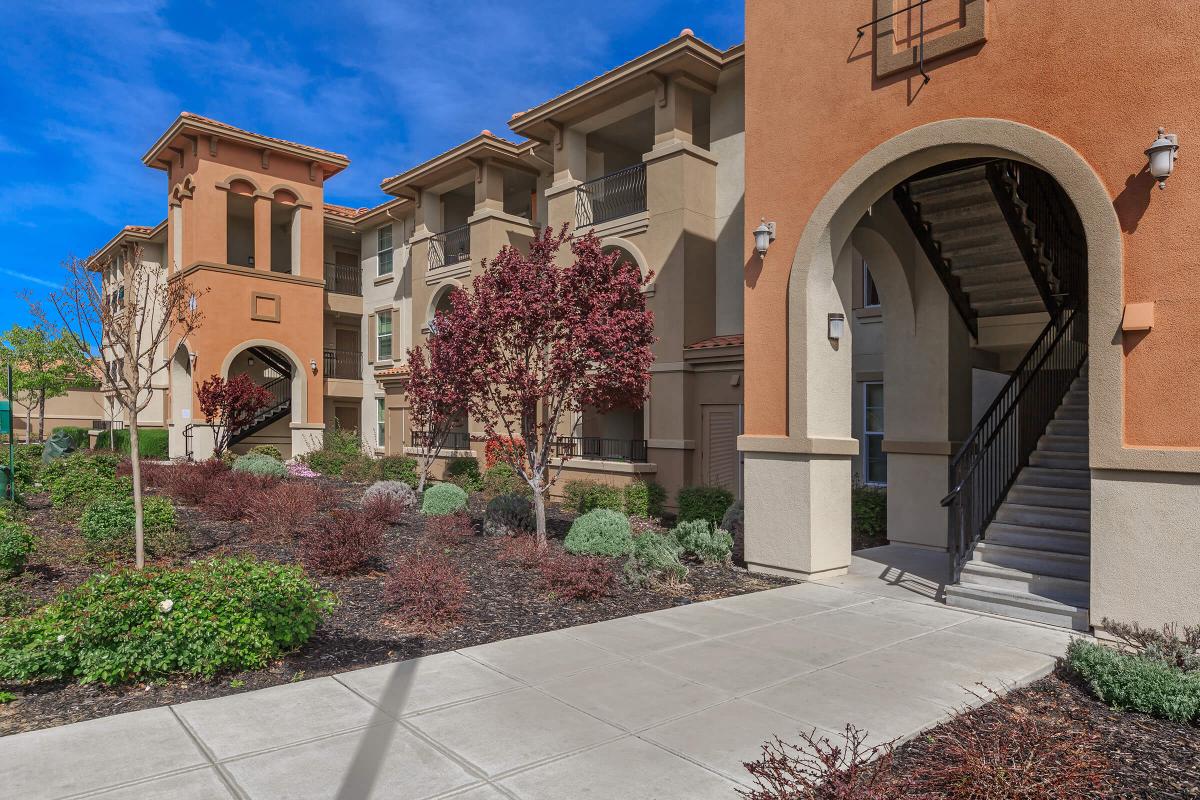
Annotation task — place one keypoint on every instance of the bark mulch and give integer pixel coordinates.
(505, 601)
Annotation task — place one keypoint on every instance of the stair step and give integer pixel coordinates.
(1018, 604)
(981, 232)
(933, 198)
(1068, 427)
(1048, 563)
(985, 278)
(1072, 443)
(1000, 290)
(1075, 397)
(952, 217)
(1054, 517)
(1063, 590)
(1047, 539)
(950, 180)
(1030, 304)
(1072, 412)
(983, 255)
(1061, 460)
(1041, 477)
(1049, 496)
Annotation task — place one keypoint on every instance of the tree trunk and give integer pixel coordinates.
(28, 424)
(539, 512)
(426, 463)
(139, 539)
(42, 413)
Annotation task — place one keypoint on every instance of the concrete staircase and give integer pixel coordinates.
(965, 220)
(1033, 561)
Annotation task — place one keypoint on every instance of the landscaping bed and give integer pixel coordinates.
(505, 599)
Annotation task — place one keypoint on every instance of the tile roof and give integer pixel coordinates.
(732, 340)
(344, 211)
(138, 229)
(235, 129)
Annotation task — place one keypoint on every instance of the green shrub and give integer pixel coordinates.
(216, 615)
(16, 543)
(12, 600)
(583, 496)
(703, 502)
(655, 558)
(361, 469)
(600, 532)
(734, 521)
(442, 499)
(74, 481)
(228, 457)
(27, 467)
(258, 464)
(78, 435)
(868, 512)
(502, 479)
(399, 468)
(1172, 646)
(107, 527)
(339, 448)
(266, 450)
(152, 442)
(702, 539)
(644, 499)
(1127, 681)
(508, 515)
(463, 471)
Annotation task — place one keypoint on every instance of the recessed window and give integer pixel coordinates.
(383, 335)
(385, 250)
(380, 420)
(870, 293)
(874, 459)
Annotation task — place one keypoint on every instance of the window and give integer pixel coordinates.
(874, 459)
(385, 250)
(383, 335)
(870, 293)
(380, 420)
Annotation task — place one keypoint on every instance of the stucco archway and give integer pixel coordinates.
(804, 534)
(299, 378)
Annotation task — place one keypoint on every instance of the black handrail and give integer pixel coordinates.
(343, 364)
(450, 247)
(998, 448)
(611, 196)
(343, 279)
(187, 440)
(598, 448)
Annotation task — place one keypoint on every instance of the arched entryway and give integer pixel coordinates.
(275, 368)
(931, 337)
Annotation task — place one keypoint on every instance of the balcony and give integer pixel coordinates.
(610, 197)
(455, 440)
(346, 364)
(596, 448)
(343, 279)
(450, 247)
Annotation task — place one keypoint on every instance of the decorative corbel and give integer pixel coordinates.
(212, 145)
(558, 134)
(662, 84)
(266, 158)
(312, 170)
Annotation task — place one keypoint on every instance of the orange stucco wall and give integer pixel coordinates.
(1099, 77)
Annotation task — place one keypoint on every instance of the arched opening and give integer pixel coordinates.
(285, 232)
(961, 305)
(276, 369)
(239, 223)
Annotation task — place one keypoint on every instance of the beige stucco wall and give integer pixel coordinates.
(728, 132)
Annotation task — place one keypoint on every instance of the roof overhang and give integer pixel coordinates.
(459, 161)
(127, 235)
(185, 131)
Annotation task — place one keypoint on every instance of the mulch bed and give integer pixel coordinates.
(505, 601)
(1146, 757)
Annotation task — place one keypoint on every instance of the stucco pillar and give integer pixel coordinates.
(489, 186)
(570, 170)
(297, 239)
(262, 233)
(673, 119)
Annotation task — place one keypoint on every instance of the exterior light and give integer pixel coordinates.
(837, 326)
(312, 364)
(764, 234)
(1161, 155)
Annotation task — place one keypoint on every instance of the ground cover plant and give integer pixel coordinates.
(107, 527)
(1151, 683)
(443, 498)
(601, 532)
(16, 543)
(260, 464)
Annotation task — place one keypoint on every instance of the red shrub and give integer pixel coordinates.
(520, 550)
(232, 496)
(427, 590)
(189, 483)
(503, 450)
(577, 577)
(449, 530)
(822, 770)
(385, 508)
(342, 542)
(154, 476)
(289, 509)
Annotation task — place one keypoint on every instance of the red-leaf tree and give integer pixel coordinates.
(228, 405)
(437, 391)
(541, 341)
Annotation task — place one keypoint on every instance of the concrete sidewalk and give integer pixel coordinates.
(661, 705)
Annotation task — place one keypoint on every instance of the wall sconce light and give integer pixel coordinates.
(764, 234)
(1161, 155)
(192, 361)
(837, 326)
(249, 361)
(312, 364)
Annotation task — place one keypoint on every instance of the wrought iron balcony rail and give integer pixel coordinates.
(450, 247)
(600, 449)
(610, 197)
(455, 440)
(343, 279)
(343, 364)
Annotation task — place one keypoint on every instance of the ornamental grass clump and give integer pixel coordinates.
(705, 541)
(443, 498)
(602, 532)
(224, 614)
(508, 515)
(107, 528)
(260, 464)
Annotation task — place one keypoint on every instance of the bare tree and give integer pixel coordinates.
(128, 322)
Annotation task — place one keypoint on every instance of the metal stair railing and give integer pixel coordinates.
(281, 394)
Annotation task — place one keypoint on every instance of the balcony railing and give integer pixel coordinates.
(343, 364)
(455, 440)
(343, 279)
(613, 196)
(450, 247)
(599, 449)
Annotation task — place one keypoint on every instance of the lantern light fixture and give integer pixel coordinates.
(764, 234)
(312, 364)
(1161, 155)
(837, 326)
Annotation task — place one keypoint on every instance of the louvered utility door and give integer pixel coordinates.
(720, 457)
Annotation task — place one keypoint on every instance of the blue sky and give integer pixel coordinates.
(87, 87)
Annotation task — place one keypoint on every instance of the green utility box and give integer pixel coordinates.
(6, 469)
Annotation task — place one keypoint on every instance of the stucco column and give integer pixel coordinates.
(262, 233)
(673, 119)
(489, 186)
(297, 239)
(570, 170)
